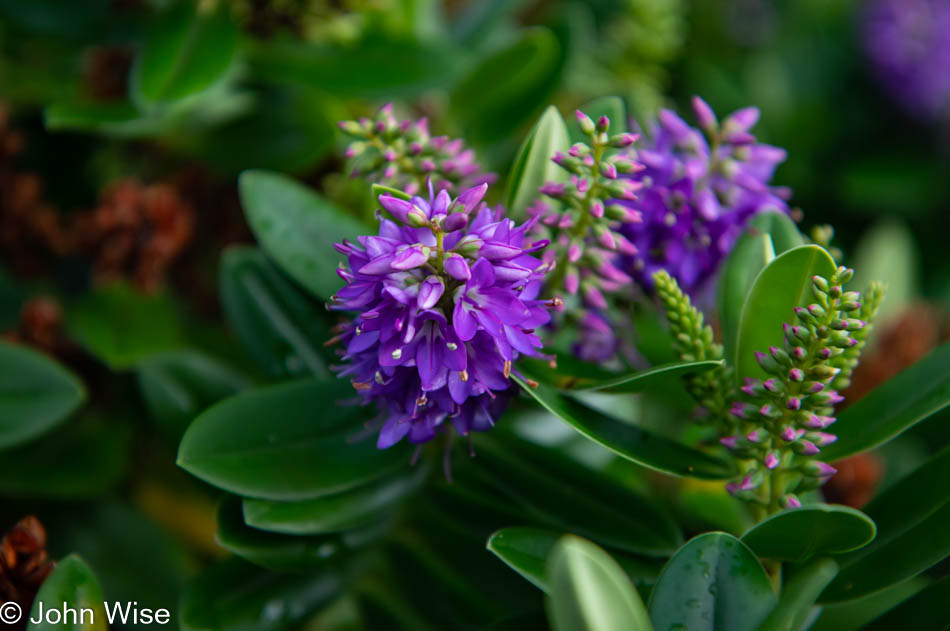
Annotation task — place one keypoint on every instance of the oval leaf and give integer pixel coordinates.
(280, 327)
(188, 50)
(283, 552)
(894, 407)
(912, 534)
(297, 228)
(36, 394)
(533, 166)
(333, 513)
(797, 534)
(287, 442)
(713, 583)
(782, 285)
(767, 234)
(629, 441)
(72, 584)
(589, 591)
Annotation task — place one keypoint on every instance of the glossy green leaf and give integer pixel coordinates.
(766, 235)
(284, 552)
(799, 594)
(36, 394)
(526, 549)
(177, 385)
(927, 609)
(612, 107)
(713, 583)
(73, 584)
(649, 379)
(854, 614)
(912, 534)
(630, 441)
(235, 596)
(281, 328)
(899, 271)
(589, 591)
(797, 534)
(521, 77)
(894, 407)
(83, 459)
(189, 48)
(548, 489)
(333, 513)
(297, 228)
(533, 166)
(120, 326)
(782, 285)
(291, 441)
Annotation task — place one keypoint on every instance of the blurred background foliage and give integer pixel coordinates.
(125, 123)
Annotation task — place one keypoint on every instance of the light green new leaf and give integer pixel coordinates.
(782, 285)
(533, 166)
(297, 228)
(73, 584)
(589, 591)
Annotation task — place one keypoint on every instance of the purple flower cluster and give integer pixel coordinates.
(404, 155)
(783, 419)
(699, 188)
(908, 44)
(584, 226)
(446, 298)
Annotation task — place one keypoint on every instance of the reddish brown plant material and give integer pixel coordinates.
(106, 72)
(136, 232)
(24, 564)
(40, 326)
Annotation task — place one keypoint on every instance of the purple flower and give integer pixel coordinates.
(698, 191)
(908, 45)
(443, 307)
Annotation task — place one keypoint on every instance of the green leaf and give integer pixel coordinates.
(798, 534)
(899, 271)
(189, 48)
(526, 549)
(533, 166)
(646, 380)
(589, 591)
(927, 609)
(854, 614)
(630, 441)
(782, 285)
(120, 326)
(82, 460)
(894, 407)
(178, 385)
(379, 189)
(235, 596)
(283, 552)
(376, 67)
(36, 394)
(612, 107)
(799, 594)
(548, 489)
(291, 441)
(521, 77)
(297, 228)
(280, 327)
(767, 234)
(333, 513)
(72, 584)
(912, 534)
(713, 583)
(118, 120)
